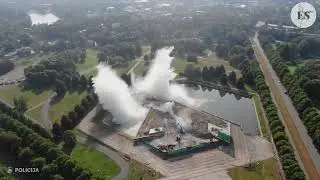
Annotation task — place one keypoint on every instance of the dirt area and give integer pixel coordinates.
(16, 73)
(208, 164)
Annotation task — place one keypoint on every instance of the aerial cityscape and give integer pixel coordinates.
(159, 89)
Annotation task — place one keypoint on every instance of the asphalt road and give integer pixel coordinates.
(312, 152)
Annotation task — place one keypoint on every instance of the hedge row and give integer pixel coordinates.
(23, 119)
(290, 165)
(31, 149)
(308, 113)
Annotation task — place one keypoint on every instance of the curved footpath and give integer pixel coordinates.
(110, 153)
(45, 111)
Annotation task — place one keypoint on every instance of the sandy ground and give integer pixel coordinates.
(211, 164)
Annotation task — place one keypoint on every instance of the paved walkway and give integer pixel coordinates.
(199, 165)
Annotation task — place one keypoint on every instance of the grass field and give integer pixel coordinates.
(139, 171)
(35, 113)
(31, 60)
(8, 93)
(91, 61)
(97, 162)
(180, 64)
(65, 105)
(265, 170)
(262, 119)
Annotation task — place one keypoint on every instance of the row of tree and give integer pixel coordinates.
(213, 74)
(32, 150)
(18, 116)
(120, 53)
(73, 118)
(286, 153)
(308, 113)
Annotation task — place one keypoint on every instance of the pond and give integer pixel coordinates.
(228, 106)
(48, 18)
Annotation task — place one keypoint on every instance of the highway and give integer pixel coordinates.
(309, 157)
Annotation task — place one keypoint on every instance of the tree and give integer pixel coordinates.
(192, 58)
(205, 74)
(146, 58)
(240, 83)
(90, 82)
(66, 123)
(25, 156)
(232, 78)
(288, 51)
(250, 52)
(83, 81)
(53, 154)
(57, 177)
(56, 131)
(61, 88)
(85, 175)
(69, 139)
(38, 162)
(10, 141)
(126, 78)
(304, 48)
(20, 104)
(83, 55)
(224, 79)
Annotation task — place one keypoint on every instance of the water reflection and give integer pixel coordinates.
(228, 106)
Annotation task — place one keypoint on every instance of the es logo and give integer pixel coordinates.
(303, 15)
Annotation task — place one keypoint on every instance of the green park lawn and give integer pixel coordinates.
(65, 105)
(139, 171)
(97, 162)
(266, 170)
(35, 113)
(28, 61)
(181, 64)
(90, 61)
(92, 73)
(33, 98)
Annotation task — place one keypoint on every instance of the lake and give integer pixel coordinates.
(235, 109)
(48, 18)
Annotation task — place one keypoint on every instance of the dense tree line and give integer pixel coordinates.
(6, 66)
(188, 47)
(32, 150)
(73, 118)
(213, 74)
(285, 150)
(308, 113)
(119, 54)
(292, 46)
